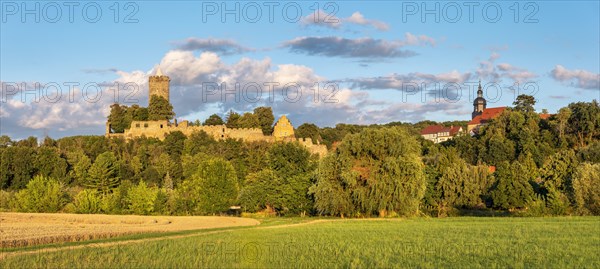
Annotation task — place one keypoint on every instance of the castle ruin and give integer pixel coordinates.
(159, 85)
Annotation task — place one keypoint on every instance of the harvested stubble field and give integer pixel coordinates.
(28, 229)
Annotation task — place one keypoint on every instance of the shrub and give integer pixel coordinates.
(42, 194)
(5, 198)
(586, 188)
(87, 202)
(140, 199)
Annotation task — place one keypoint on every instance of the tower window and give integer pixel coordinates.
(145, 125)
(161, 126)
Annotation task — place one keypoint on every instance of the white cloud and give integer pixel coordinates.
(325, 19)
(358, 18)
(578, 78)
(489, 71)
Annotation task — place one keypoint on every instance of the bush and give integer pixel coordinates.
(140, 199)
(42, 194)
(586, 188)
(87, 202)
(5, 198)
(115, 202)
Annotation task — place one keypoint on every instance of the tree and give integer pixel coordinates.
(233, 119)
(586, 185)
(373, 172)
(49, 163)
(198, 142)
(140, 199)
(103, 174)
(42, 194)
(159, 108)
(457, 185)
(512, 189)
(213, 119)
(265, 119)
(561, 121)
(117, 118)
(333, 191)
(5, 141)
(524, 103)
(219, 185)
(87, 202)
(584, 121)
(174, 143)
(248, 120)
(308, 130)
(18, 165)
(284, 185)
(137, 113)
(262, 190)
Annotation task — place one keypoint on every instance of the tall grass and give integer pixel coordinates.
(561, 242)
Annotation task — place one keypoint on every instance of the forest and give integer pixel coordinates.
(518, 164)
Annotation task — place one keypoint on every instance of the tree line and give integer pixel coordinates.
(518, 164)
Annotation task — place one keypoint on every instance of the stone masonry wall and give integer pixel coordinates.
(159, 130)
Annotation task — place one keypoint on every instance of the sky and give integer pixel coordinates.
(62, 64)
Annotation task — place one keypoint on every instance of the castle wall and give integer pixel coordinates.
(160, 129)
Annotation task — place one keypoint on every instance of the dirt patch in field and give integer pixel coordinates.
(27, 229)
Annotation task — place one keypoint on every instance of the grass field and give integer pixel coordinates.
(466, 242)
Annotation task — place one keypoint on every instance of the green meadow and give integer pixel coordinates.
(464, 242)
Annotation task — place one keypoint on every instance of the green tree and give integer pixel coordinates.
(118, 118)
(174, 143)
(87, 202)
(512, 189)
(42, 194)
(159, 108)
(248, 120)
(141, 198)
(137, 113)
(214, 119)
(457, 185)
(103, 174)
(584, 122)
(265, 119)
(379, 169)
(218, 184)
(5, 141)
(586, 185)
(49, 163)
(233, 119)
(333, 189)
(524, 103)
(198, 142)
(308, 130)
(284, 185)
(17, 165)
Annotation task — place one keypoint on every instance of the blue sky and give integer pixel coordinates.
(370, 53)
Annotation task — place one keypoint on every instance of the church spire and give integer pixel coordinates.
(479, 90)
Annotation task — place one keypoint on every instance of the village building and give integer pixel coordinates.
(439, 133)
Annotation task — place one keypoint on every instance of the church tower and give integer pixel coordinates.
(159, 85)
(479, 103)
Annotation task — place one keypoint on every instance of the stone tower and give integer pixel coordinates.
(479, 103)
(159, 85)
(283, 129)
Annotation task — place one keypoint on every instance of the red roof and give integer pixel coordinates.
(545, 116)
(487, 115)
(434, 129)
